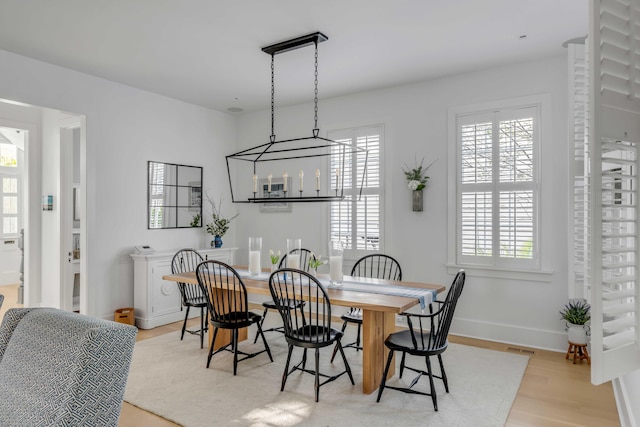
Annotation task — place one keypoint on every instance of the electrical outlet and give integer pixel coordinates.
(400, 319)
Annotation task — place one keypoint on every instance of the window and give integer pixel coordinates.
(9, 186)
(356, 221)
(8, 155)
(497, 187)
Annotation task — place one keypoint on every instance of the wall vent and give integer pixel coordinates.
(521, 350)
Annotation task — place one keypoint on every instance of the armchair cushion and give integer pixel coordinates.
(60, 368)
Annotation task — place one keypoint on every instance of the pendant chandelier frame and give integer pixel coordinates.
(297, 148)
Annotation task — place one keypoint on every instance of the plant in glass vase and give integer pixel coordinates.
(275, 257)
(220, 225)
(314, 263)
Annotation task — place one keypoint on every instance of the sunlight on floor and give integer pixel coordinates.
(280, 414)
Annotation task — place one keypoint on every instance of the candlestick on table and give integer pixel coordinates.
(301, 175)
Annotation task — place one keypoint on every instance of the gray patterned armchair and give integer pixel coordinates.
(62, 369)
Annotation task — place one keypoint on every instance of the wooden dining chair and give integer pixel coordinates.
(183, 261)
(305, 256)
(426, 337)
(305, 309)
(226, 297)
(377, 266)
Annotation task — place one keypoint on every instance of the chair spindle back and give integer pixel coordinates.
(224, 290)
(378, 266)
(434, 335)
(310, 322)
(305, 256)
(183, 261)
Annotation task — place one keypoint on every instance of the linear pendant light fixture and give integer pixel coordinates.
(256, 167)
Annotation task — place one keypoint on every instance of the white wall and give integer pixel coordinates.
(51, 233)
(415, 119)
(125, 127)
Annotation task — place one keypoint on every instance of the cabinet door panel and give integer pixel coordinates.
(165, 296)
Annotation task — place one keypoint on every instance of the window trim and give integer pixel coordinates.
(355, 254)
(540, 272)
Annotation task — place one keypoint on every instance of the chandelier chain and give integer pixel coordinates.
(315, 99)
(273, 92)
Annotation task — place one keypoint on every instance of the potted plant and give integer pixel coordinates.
(220, 225)
(195, 222)
(416, 181)
(576, 315)
(314, 263)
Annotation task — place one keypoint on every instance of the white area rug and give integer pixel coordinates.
(168, 377)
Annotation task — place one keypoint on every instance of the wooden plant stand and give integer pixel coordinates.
(579, 352)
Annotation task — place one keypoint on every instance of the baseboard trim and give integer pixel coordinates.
(623, 403)
(510, 334)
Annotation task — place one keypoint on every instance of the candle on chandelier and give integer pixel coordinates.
(317, 179)
(337, 175)
(255, 183)
(301, 175)
(284, 177)
(269, 182)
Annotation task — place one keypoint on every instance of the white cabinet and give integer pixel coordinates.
(156, 301)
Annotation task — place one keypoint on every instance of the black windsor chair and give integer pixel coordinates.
(305, 256)
(305, 308)
(226, 297)
(187, 260)
(428, 339)
(377, 266)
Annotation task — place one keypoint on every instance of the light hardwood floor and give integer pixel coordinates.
(554, 391)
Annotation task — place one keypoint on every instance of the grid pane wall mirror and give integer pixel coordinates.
(174, 197)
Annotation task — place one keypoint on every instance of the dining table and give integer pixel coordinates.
(379, 300)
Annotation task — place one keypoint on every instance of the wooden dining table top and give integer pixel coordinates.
(338, 296)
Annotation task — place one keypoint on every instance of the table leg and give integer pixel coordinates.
(224, 336)
(376, 326)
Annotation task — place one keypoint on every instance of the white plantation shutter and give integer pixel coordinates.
(579, 250)
(356, 221)
(614, 134)
(498, 188)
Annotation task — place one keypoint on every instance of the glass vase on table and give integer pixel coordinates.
(274, 257)
(255, 250)
(336, 252)
(294, 249)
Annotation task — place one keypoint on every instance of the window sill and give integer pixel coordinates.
(502, 273)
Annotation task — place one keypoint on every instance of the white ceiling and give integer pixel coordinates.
(207, 52)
